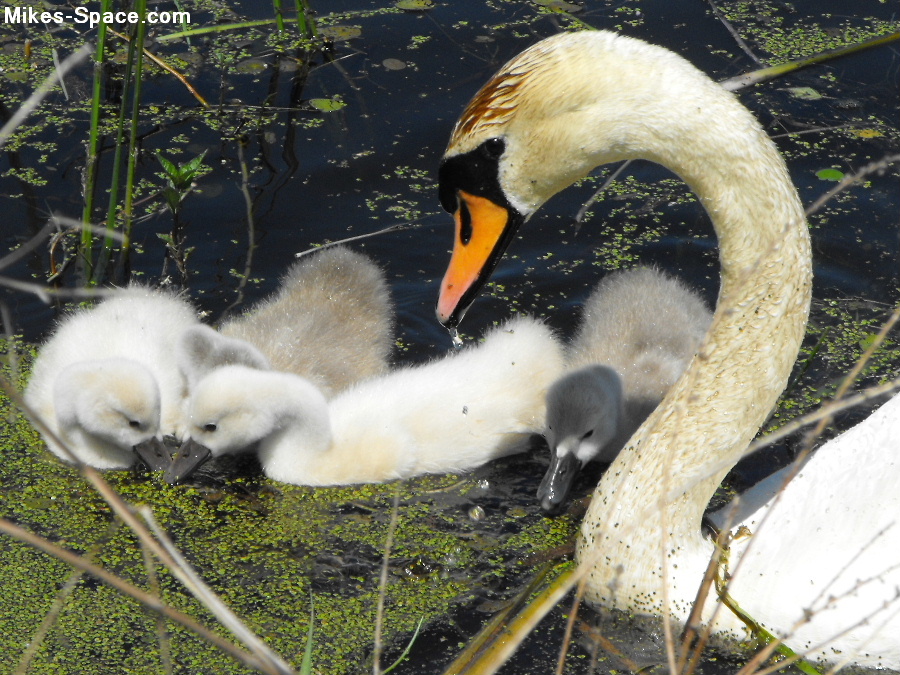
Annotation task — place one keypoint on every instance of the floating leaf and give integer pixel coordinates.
(327, 104)
(414, 5)
(867, 341)
(251, 66)
(830, 174)
(394, 64)
(341, 33)
(191, 58)
(866, 133)
(558, 5)
(805, 93)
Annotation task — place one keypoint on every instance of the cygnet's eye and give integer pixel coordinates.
(209, 427)
(134, 424)
(493, 147)
(588, 434)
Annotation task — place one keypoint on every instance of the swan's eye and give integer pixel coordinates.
(493, 147)
(465, 223)
(449, 198)
(209, 427)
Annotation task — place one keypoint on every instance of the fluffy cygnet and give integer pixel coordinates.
(639, 331)
(331, 321)
(451, 414)
(108, 380)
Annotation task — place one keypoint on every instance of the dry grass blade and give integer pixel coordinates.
(265, 660)
(500, 638)
(765, 74)
(608, 646)
(146, 599)
(192, 581)
(59, 602)
(382, 583)
(847, 181)
(396, 227)
(165, 66)
(35, 99)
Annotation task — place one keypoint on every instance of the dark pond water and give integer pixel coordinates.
(316, 177)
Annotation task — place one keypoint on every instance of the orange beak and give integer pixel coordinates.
(483, 230)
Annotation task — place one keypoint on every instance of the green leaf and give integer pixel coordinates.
(805, 93)
(169, 168)
(341, 33)
(830, 174)
(327, 104)
(414, 5)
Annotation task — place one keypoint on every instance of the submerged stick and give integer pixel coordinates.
(764, 74)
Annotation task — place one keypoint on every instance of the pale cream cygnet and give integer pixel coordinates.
(452, 414)
(108, 380)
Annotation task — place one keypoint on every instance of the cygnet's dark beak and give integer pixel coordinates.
(557, 483)
(190, 456)
(154, 454)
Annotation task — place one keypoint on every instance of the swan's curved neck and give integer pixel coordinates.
(681, 453)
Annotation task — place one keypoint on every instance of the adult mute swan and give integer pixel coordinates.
(331, 321)
(639, 330)
(107, 380)
(399, 425)
(577, 100)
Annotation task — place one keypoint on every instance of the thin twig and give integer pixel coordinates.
(39, 238)
(737, 38)
(37, 640)
(265, 659)
(192, 581)
(35, 99)
(251, 229)
(396, 227)
(165, 66)
(579, 217)
(162, 632)
(763, 74)
(870, 168)
(382, 583)
(146, 599)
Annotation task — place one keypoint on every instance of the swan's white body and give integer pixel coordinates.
(639, 330)
(107, 379)
(836, 527)
(331, 321)
(399, 425)
(596, 97)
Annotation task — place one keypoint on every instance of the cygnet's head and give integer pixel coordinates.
(236, 407)
(201, 349)
(584, 411)
(104, 408)
(231, 410)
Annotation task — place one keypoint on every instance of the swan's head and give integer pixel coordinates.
(106, 407)
(584, 410)
(239, 408)
(552, 114)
